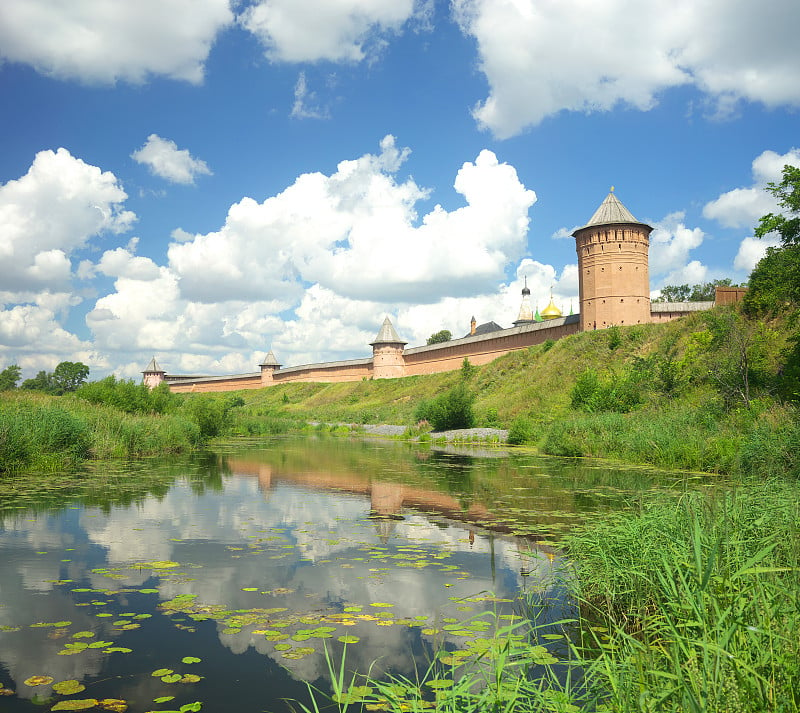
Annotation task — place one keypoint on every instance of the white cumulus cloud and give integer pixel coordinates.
(102, 41)
(165, 159)
(543, 57)
(339, 31)
(742, 207)
(671, 243)
(357, 232)
(751, 250)
(50, 212)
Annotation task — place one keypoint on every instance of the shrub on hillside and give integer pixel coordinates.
(128, 396)
(617, 392)
(450, 410)
(522, 431)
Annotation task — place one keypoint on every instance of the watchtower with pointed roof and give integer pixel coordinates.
(268, 367)
(612, 264)
(387, 353)
(153, 374)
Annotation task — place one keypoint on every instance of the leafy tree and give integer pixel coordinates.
(439, 337)
(43, 381)
(69, 375)
(775, 281)
(738, 356)
(467, 369)
(788, 194)
(9, 377)
(704, 292)
(66, 377)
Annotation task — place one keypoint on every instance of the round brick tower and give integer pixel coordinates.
(387, 353)
(612, 266)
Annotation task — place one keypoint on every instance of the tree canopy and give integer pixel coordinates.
(9, 377)
(65, 378)
(775, 281)
(439, 337)
(704, 292)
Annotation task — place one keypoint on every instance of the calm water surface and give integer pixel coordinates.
(235, 571)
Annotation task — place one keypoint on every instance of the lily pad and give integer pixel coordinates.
(163, 699)
(349, 639)
(190, 659)
(161, 672)
(171, 678)
(80, 704)
(68, 688)
(116, 705)
(38, 680)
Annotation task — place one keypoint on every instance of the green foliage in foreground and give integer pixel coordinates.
(46, 433)
(701, 600)
(690, 605)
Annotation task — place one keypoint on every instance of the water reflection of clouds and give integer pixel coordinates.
(326, 530)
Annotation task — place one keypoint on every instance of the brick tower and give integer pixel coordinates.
(612, 267)
(387, 353)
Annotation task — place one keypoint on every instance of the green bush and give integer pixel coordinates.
(450, 410)
(617, 393)
(210, 414)
(522, 431)
(128, 396)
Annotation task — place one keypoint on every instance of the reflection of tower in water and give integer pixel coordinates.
(386, 501)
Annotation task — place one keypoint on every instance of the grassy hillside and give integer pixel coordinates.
(701, 393)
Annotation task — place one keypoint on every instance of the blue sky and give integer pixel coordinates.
(205, 180)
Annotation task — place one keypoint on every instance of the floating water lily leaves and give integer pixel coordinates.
(354, 695)
(6, 691)
(68, 688)
(190, 659)
(38, 680)
(190, 678)
(349, 639)
(439, 683)
(163, 699)
(171, 678)
(116, 705)
(159, 672)
(80, 704)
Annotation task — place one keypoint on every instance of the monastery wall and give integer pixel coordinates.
(481, 349)
(207, 384)
(327, 372)
(667, 311)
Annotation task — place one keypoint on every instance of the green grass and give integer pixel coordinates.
(691, 604)
(48, 433)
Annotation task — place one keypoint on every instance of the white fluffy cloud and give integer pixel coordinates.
(357, 233)
(165, 159)
(751, 250)
(742, 207)
(51, 211)
(542, 57)
(340, 31)
(671, 242)
(102, 41)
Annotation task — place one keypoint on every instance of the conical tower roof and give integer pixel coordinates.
(387, 334)
(152, 367)
(270, 360)
(611, 211)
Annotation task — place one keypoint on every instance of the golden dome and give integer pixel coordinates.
(551, 311)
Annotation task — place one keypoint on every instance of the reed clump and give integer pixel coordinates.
(693, 604)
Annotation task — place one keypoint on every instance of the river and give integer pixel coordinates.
(226, 581)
